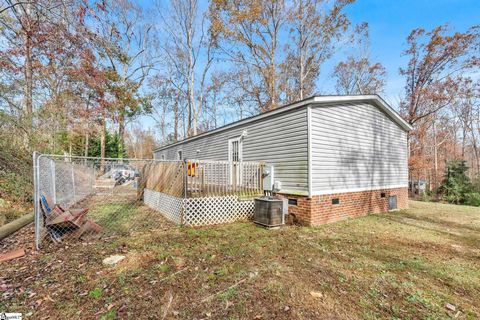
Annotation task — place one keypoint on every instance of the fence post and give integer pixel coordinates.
(36, 199)
(92, 180)
(73, 181)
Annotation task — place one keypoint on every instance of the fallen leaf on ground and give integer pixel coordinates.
(113, 259)
(450, 307)
(316, 294)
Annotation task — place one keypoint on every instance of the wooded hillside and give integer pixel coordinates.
(115, 78)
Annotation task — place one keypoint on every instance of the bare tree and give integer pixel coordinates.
(27, 20)
(318, 27)
(190, 49)
(139, 142)
(125, 43)
(435, 59)
(168, 104)
(433, 85)
(253, 27)
(359, 76)
(466, 108)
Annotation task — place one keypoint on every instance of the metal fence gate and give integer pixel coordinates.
(79, 197)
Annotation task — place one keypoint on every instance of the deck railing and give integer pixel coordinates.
(205, 178)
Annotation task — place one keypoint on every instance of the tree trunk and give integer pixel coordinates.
(121, 128)
(194, 124)
(87, 141)
(435, 154)
(301, 40)
(302, 71)
(163, 124)
(28, 69)
(103, 128)
(192, 118)
(475, 149)
(175, 121)
(184, 124)
(272, 78)
(214, 110)
(28, 81)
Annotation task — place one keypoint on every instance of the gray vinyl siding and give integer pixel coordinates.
(355, 147)
(279, 140)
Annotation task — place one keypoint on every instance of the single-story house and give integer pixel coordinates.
(334, 157)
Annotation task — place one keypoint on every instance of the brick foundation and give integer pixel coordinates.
(319, 209)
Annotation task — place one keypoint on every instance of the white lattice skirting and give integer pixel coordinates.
(200, 211)
(215, 210)
(169, 206)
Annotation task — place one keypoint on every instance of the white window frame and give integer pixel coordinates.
(180, 154)
(240, 157)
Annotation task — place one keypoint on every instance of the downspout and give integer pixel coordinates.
(309, 151)
(185, 191)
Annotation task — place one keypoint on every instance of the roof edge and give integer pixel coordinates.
(285, 108)
(299, 104)
(382, 104)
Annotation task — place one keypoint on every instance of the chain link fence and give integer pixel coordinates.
(80, 197)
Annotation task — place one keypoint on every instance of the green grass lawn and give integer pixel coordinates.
(122, 218)
(402, 265)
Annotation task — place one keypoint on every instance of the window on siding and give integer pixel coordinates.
(163, 157)
(335, 201)
(179, 155)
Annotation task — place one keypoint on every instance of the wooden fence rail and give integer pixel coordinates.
(163, 176)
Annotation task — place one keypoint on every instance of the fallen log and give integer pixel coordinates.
(15, 225)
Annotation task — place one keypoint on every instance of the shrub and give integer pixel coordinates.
(425, 196)
(15, 186)
(476, 183)
(15, 181)
(472, 199)
(456, 182)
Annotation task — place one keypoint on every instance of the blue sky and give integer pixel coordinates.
(390, 22)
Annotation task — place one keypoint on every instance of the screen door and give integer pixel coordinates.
(235, 157)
